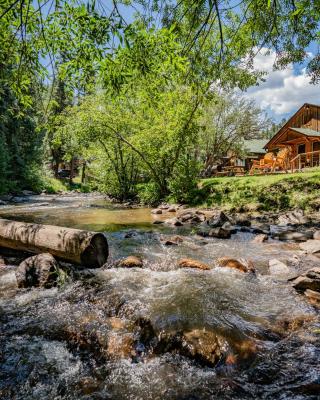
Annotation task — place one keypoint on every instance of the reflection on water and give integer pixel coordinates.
(97, 337)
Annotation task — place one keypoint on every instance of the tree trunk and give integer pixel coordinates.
(83, 175)
(71, 170)
(89, 249)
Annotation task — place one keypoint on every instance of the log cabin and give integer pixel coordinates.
(301, 133)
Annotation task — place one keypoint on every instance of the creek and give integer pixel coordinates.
(97, 336)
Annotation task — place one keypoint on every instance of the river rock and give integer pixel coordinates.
(190, 263)
(120, 346)
(41, 270)
(172, 209)
(173, 221)
(158, 222)
(262, 237)
(295, 217)
(311, 246)
(220, 233)
(316, 235)
(308, 280)
(243, 265)
(173, 241)
(242, 221)
(3, 203)
(218, 220)
(28, 193)
(277, 267)
(156, 211)
(313, 297)
(296, 236)
(131, 262)
(228, 227)
(204, 346)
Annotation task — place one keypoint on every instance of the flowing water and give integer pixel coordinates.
(97, 336)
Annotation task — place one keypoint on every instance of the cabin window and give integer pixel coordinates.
(301, 148)
(315, 146)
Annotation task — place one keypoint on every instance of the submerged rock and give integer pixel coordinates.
(277, 267)
(204, 346)
(131, 262)
(120, 346)
(41, 270)
(243, 265)
(313, 297)
(200, 345)
(190, 263)
(172, 241)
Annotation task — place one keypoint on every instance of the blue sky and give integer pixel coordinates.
(284, 91)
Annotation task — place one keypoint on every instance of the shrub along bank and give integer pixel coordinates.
(265, 193)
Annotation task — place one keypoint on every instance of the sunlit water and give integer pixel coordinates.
(54, 342)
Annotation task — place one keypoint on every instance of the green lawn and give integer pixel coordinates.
(262, 192)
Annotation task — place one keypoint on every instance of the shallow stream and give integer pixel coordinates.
(97, 336)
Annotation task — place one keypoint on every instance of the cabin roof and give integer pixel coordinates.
(306, 131)
(254, 145)
(291, 120)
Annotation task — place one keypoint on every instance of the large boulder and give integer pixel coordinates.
(240, 265)
(41, 270)
(190, 263)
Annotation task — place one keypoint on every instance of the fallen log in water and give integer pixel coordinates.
(89, 249)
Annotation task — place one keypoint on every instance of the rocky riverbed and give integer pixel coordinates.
(192, 304)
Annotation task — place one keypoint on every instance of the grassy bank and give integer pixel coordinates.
(267, 192)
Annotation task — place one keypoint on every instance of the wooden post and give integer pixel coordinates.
(89, 249)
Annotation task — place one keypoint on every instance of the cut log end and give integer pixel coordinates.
(96, 253)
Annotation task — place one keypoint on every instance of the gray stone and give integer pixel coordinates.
(262, 237)
(173, 221)
(316, 235)
(219, 233)
(295, 236)
(277, 267)
(218, 220)
(310, 246)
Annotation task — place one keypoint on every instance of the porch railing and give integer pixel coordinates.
(306, 160)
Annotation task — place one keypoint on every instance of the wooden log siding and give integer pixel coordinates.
(89, 249)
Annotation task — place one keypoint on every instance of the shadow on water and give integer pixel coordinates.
(116, 333)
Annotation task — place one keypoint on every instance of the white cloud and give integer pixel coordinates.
(283, 91)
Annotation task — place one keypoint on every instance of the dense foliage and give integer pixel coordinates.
(145, 101)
